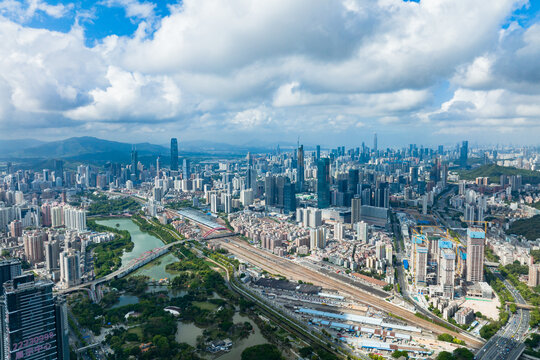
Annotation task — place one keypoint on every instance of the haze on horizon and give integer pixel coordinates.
(331, 72)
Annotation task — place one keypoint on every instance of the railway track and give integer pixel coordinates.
(276, 265)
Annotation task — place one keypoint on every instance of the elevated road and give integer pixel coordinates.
(507, 343)
(282, 266)
(124, 270)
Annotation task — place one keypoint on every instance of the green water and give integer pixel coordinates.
(156, 270)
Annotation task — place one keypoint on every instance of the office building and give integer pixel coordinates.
(174, 154)
(323, 183)
(9, 269)
(463, 154)
(300, 169)
(289, 197)
(186, 169)
(32, 324)
(356, 204)
(475, 254)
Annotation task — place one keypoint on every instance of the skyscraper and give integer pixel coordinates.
(475, 254)
(134, 163)
(421, 264)
(300, 169)
(318, 152)
(289, 197)
(356, 203)
(9, 269)
(375, 142)
(174, 154)
(186, 169)
(446, 272)
(70, 273)
(33, 327)
(463, 154)
(323, 183)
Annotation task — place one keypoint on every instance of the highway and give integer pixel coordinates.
(507, 343)
(289, 269)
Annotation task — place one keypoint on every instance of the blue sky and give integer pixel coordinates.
(331, 72)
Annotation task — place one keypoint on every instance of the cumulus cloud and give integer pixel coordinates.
(276, 66)
(131, 96)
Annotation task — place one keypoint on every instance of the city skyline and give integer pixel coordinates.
(223, 71)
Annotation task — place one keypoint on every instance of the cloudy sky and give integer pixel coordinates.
(240, 71)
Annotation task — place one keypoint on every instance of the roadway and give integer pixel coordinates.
(507, 343)
(278, 265)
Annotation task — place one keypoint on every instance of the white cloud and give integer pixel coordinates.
(25, 10)
(131, 96)
(251, 118)
(133, 8)
(276, 66)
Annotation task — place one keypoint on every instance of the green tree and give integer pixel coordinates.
(445, 355)
(463, 354)
(262, 352)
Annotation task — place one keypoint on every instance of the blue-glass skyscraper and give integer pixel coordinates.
(323, 183)
(174, 154)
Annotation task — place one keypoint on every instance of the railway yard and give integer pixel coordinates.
(377, 324)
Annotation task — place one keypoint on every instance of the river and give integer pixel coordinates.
(156, 270)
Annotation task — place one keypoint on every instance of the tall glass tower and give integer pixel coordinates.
(33, 327)
(323, 183)
(174, 154)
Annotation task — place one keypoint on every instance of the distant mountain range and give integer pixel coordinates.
(87, 148)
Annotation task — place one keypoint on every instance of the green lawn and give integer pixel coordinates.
(205, 305)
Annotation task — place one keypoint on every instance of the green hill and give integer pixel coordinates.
(494, 172)
(530, 228)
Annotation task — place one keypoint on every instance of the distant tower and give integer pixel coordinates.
(134, 163)
(318, 152)
(463, 154)
(300, 169)
(174, 154)
(375, 142)
(158, 167)
(323, 183)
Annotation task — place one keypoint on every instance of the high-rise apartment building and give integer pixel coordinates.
(74, 219)
(421, 264)
(174, 154)
(475, 254)
(33, 246)
(52, 254)
(447, 271)
(70, 273)
(362, 231)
